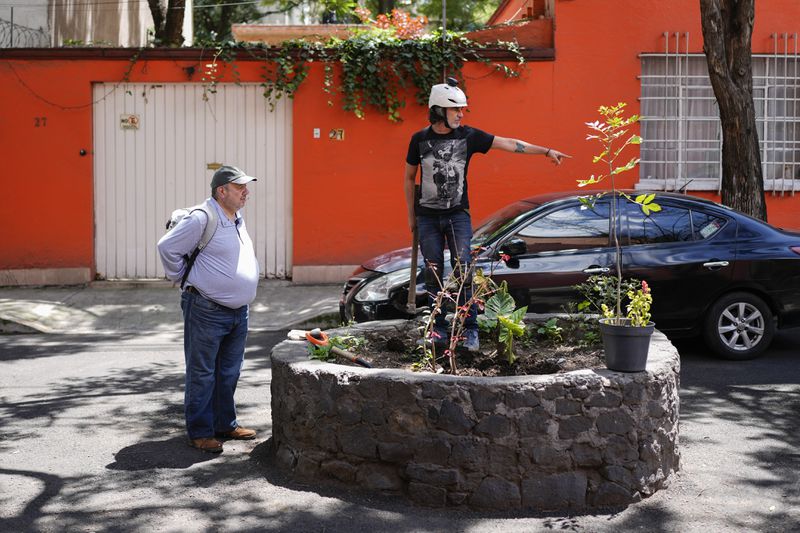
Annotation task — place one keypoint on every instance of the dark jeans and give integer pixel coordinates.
(455, 232)
(214, 337)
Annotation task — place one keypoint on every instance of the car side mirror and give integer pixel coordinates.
(514, 247)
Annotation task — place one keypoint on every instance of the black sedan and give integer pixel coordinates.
(713, 271)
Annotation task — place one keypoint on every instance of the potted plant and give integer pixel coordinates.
(626, 337)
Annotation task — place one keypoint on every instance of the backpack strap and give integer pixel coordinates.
(209, 229)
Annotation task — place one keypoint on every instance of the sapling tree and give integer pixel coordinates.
(611, 132)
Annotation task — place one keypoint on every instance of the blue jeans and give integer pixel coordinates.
(214, 337)
(454, 231)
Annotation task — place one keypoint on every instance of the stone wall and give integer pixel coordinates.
(583, 439)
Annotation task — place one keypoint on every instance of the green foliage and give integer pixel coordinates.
(344, 342)
(501, 316)
(212, 25)
(591, 337)
(551, 330)
(639, 305)
(375, 64)
(601, 290)
(600, 293)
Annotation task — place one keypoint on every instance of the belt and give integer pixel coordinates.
(191, 289)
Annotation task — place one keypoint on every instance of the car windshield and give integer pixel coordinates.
(499, 221)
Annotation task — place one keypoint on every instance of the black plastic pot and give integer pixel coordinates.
(625, 346)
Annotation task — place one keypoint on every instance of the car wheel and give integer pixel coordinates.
(739, 326)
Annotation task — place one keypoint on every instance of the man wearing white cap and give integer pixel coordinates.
(215, 301)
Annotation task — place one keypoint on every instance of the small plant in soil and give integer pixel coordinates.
(503, 322)
(538, 350)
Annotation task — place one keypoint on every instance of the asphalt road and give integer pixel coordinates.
(91, 439)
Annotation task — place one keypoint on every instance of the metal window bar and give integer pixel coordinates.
(680, 146)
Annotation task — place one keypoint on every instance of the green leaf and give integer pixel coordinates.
(500, 304)
(519, 314)
(511, 327)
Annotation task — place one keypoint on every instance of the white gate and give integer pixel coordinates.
(155, 149)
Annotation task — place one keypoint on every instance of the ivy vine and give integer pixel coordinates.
(376, 67)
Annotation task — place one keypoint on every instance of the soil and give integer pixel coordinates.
(538, 351)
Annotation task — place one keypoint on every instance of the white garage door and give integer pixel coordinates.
(155, 149)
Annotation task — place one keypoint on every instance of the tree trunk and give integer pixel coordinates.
(727, 35)
(168, 21)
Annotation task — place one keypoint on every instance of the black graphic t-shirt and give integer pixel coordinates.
(444, 160)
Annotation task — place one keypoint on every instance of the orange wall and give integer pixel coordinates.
(348, 196)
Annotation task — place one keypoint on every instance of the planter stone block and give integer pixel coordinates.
(557, 491)
(469, 453)
(451, 418)
(378, 477)
(520, 399)
(533, 422)
(494, 426)
(617, 422)
(586, 455)
(432, 450)
(484, 399)
(568, 407)
(394, 452)
(611, 494)
(359, 441)
(604, 398)
(433, 474)
(550, 458)
(620, 450)
(428, 495)
(341, 470)
(496, 493)
(569, 428)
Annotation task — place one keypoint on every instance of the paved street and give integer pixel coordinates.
(91, 439)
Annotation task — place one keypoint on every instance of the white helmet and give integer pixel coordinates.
(447, 95)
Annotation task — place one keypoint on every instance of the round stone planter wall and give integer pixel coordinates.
(583, 439)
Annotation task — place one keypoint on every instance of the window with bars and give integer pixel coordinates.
(682, 139)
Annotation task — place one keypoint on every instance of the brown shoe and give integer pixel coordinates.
(206, 444)
(239, 433)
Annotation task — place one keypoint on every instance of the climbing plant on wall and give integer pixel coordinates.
(375, 66)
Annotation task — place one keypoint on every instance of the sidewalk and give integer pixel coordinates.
(152, 307)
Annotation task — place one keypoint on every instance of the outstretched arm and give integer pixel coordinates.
(522, 147)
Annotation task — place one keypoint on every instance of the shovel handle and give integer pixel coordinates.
(351, 357)
(411, 305)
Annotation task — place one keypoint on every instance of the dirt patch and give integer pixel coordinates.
(569, 343)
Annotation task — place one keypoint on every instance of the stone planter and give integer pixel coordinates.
(583, 439)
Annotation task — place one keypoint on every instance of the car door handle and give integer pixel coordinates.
(597, 270)
(712, 265)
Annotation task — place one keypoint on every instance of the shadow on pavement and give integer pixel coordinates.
(151, 455)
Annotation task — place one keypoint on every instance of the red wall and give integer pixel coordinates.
(348, 196)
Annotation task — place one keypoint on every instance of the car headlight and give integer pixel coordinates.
(378, 288)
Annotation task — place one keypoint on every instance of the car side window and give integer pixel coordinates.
(706, 225)
(569, 228)
(671, 224)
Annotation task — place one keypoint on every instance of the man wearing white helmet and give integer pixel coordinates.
(440, 212)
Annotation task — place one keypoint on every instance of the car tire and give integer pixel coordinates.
(739, 326)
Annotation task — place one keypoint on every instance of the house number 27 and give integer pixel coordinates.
(39, 122)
